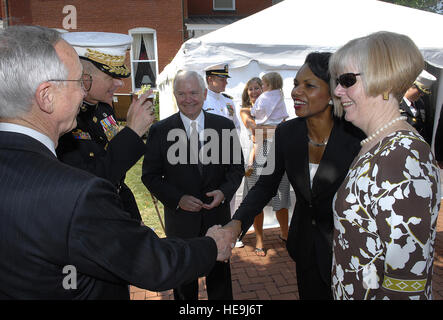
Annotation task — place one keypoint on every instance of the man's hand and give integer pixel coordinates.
(140, 114)
(218, 198)
(190, 203)
(235, 227)
(223, 238)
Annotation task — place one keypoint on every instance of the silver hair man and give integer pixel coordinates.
(186, 74)
(27, 58)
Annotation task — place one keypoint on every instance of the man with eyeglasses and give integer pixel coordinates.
(64, 234)
(97, 144)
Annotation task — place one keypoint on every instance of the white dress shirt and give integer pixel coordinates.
(411, 106)
(200, 124)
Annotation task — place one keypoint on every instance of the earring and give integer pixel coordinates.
(331, 102)
(386, 95)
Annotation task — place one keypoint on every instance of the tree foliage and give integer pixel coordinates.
(435, 6)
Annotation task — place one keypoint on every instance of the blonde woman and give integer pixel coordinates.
(386, 209)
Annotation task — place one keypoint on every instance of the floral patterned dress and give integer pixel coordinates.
(385, 215)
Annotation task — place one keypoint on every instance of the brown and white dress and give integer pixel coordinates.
(385, 215)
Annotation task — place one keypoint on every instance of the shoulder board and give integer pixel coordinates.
(227, 95)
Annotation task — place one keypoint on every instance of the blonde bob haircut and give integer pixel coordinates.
(388, 62)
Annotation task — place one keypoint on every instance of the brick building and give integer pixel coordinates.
(159, 27)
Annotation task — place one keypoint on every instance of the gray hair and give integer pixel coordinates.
(27, 59)
(185, 75)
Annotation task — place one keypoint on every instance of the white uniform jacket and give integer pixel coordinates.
(221, 104)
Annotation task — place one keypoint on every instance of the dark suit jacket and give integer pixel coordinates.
(53, 215)
(421, 121)
(87, 147)
(311, 226)
(169, 182)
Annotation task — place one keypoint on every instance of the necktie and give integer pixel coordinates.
(413, 109)
(195, 146)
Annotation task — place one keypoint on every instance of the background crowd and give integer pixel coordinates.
(367, 184)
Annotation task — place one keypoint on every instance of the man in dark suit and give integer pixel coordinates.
(195, 192)
(97, 144)
(419, 114)
(63, 232)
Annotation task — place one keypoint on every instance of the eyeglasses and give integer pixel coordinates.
(85, 81)
(347, 80)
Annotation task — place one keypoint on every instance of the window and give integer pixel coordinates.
(224, 4)
(144, 57)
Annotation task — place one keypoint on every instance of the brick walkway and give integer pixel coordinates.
(273, 277)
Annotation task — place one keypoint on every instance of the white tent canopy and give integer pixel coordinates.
(279, 38)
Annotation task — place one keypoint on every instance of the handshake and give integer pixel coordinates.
(225, 237)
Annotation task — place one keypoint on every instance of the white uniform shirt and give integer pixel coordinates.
(411, 106)
(217, 103)
(269, 108)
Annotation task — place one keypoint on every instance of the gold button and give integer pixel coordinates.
(94, 119)
(91, 154)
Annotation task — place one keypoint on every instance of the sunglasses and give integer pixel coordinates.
(347, 80)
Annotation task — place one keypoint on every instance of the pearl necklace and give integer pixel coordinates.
(315, 144)
(376, 133)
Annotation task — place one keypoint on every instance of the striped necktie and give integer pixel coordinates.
(195, 146)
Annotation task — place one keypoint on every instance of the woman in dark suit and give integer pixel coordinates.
(315, 149)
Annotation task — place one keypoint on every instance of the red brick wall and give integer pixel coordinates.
(165, 16)
(243, 7)
(2, 10)
(21, 9)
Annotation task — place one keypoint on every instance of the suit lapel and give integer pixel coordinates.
(404, 106)
(175, 124)
(300, 160)
(334, 161)
(19, 141)
(178, 124)
(209, 124)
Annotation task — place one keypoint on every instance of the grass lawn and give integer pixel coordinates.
(144, 200)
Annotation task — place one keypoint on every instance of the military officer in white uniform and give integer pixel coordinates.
(418, 111)
(221, 104)
(216, 101)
